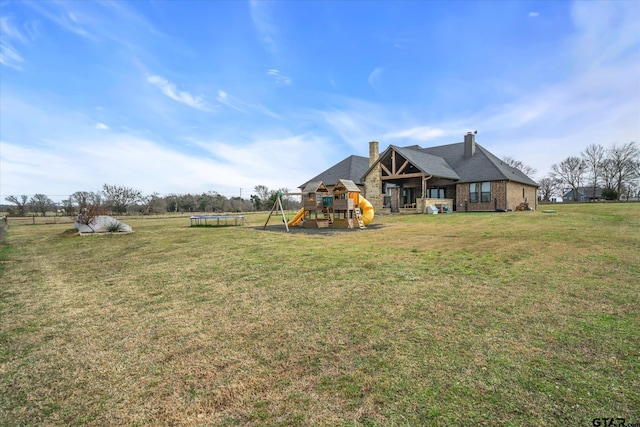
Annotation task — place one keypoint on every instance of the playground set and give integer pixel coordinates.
(343, 207)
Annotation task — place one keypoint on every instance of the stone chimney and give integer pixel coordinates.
(374, 152)
(469, 145)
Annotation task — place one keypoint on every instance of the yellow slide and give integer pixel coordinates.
(297, 219)
(367, 210)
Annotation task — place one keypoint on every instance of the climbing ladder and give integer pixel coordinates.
(359, 217)
(327, 215)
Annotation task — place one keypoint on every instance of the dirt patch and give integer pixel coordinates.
(280, 228)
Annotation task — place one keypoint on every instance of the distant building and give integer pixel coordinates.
(583, 194)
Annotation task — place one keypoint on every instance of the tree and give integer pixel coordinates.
(187, 203)
(593, 157)
(570, 173)
(19, 201)
(548, 186)
(525, 169)
(288, 202)
(608, 193)
(257, 202)
(69, 208)
(120, 197)
(41, 203)
(623, 165)
(263, 194)
(152, 203)
(219, 203)
(88, 213)
(84, 198)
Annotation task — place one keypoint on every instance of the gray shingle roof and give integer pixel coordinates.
(586, 192)
(348, 185)
(427, 163)
(353, 168)
(314, 187)
(443, 161)
(482, 166)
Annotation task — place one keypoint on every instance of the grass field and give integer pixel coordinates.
(511, 319)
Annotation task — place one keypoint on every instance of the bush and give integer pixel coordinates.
(609, 194)
(115, 227)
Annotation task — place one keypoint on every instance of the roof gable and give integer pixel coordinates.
(427, 163)
(315, 187)
(346, 185)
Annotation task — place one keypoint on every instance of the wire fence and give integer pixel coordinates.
(256, 216)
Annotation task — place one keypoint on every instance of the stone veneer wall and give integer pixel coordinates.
(373, 181)
(373, 188)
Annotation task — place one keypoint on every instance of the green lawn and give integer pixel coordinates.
(511, 319)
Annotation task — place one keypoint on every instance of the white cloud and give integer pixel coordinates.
(9, 55)
(231, 102)
(60, 13)
(419, 133)
(7, 29)
(263, 158)
(101, 126)
(170, 90)
(279, 78)
(263, 22)
(533, 14)
(86, 162)
(375, 76)
(356, 123)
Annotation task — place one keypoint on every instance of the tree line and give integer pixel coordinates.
(614, 169)
(122, 200)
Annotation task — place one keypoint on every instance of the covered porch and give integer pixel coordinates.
(412, 181)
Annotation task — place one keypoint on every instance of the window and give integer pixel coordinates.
(473, 192)
(486, 192)
(480, 192)
(436, 193)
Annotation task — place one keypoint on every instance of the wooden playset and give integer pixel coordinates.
(343, 207)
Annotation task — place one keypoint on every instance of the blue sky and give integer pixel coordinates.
(196, 96)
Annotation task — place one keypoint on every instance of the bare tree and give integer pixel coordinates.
(262, 197)
(623, 165)
(84, 198)
(153, 203)
(525, 169)
(570, 173)
(120, 197)
(548, 186)
(41, 203)
(88, 213)
(19, 201)
(69, 208)
(593, 157)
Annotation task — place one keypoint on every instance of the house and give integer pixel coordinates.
(584, 194)
(463, 177)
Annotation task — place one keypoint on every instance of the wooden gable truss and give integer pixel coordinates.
(397, 167)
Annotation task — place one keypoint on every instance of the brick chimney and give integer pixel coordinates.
(374, 152)
(469, 145)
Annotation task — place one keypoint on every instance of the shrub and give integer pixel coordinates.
(609, 194)
(114, 227)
